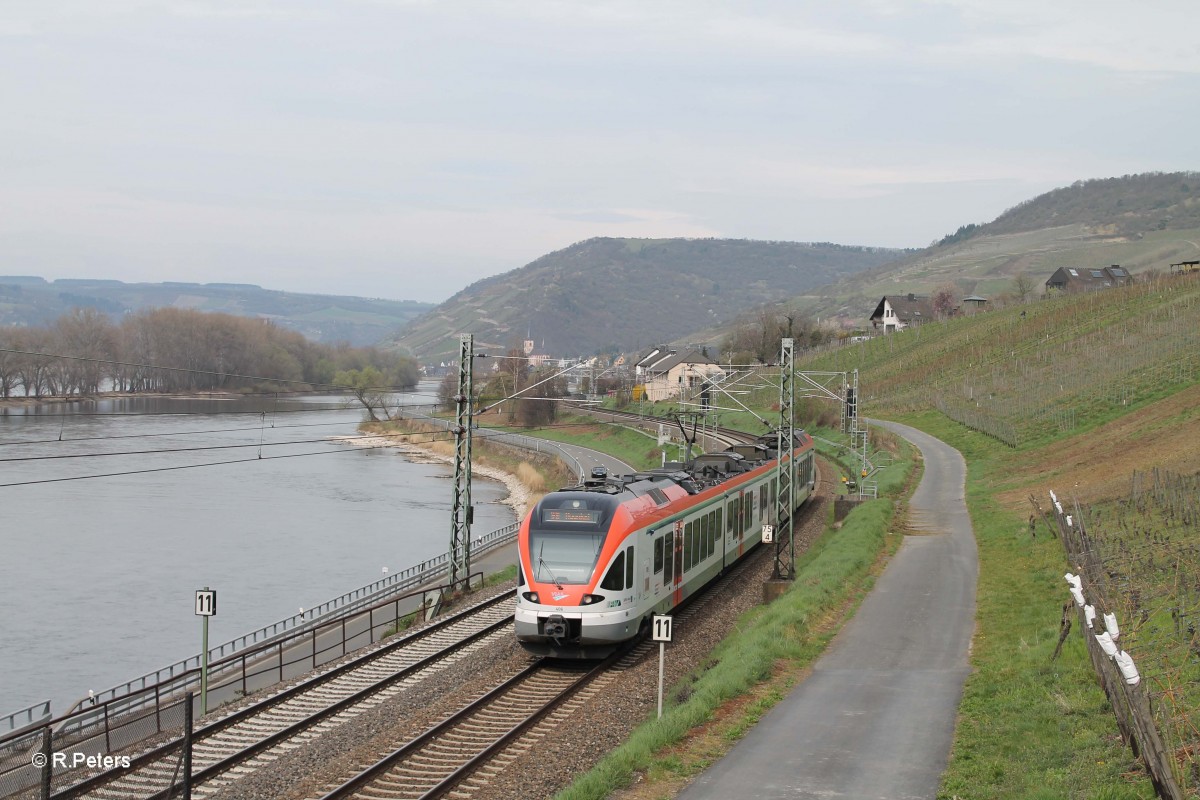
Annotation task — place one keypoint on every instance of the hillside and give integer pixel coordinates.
(1143, 222)
(27, 300)
(623, 294)
(1084, 389)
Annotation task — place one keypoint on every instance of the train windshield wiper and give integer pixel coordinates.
(542, 563)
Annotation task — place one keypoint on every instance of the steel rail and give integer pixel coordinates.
(502, 740)
(158, 753)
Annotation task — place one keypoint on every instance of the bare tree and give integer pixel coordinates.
(88, 337)
(945, 300)
(1022, 287)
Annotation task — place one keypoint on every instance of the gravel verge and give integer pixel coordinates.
(565, 750)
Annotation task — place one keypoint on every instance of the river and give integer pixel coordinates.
(97, 576)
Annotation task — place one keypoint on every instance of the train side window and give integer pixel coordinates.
(629, 567)
(704, 548)
(732, 515)
(615, 579)
(687, 547)
(668, 558)
(658, 555)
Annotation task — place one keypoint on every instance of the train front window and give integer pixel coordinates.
(566, 534)
(564, 556)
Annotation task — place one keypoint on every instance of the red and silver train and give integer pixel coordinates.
(597, 561)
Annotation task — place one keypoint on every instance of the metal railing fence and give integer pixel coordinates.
(109, 726)
(342, 604)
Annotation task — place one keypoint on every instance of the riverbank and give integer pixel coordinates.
(521, 494)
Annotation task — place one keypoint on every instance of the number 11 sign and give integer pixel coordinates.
(661, 629)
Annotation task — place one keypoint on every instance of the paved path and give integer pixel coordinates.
(875, 719)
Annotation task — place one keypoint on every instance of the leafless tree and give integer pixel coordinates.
(945, 300)
(1022, 287)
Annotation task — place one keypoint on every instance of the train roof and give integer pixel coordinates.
(704, 471)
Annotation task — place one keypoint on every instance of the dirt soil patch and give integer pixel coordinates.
(1097, 465)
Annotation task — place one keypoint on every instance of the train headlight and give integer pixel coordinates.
(531, 597)
(588, 599)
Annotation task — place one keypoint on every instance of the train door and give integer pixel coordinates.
(646, 546)
(678, 556)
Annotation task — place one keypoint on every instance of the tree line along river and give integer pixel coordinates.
(97, 575)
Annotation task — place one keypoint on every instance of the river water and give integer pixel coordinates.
(98, 576)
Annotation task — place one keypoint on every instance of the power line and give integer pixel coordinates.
(167, 433)
(406, 437)
(435, 437)
(61, 456)
(185, 466)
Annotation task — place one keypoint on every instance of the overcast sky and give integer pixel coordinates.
(403, 149)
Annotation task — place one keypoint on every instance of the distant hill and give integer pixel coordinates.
(1142, 222)
(30, 300)
(610, 295)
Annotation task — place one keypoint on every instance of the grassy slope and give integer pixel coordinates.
(634, 448)
(1029, 726)
(773, 645)
(1093, 394)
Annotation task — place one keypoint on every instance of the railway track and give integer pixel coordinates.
(460, 755)
(436, 761)
(236, 745)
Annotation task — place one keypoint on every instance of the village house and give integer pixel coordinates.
(897, 312)
(666, 373)
(1070, 279)
(973, 304)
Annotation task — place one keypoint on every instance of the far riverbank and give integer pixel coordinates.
(520, 494)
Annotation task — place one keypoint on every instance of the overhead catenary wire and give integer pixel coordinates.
(69, 439)
(259, 444)
(414, 438)
(186, 466)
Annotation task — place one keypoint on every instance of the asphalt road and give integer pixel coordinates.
(588, 459)
(875, 719)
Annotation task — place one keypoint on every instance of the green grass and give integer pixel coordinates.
(1027, 727)
(1070, 364)
(507, 574)
(637, 449)
(782, 634)
(401, 625)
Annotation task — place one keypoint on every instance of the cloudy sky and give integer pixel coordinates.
(404, 148)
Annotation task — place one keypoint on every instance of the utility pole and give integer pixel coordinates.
(463, 511)
(785, 467)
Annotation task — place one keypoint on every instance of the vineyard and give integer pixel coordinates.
(1028, 374)
(1141, 556)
